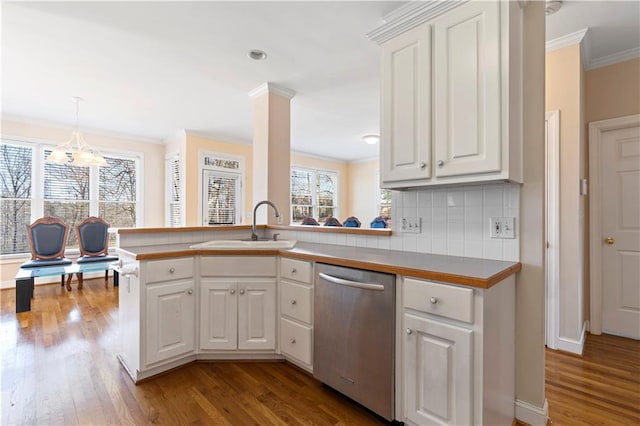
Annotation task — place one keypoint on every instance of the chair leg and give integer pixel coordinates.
(106, 278)
(80, 284)
(62, 281)
(69, 278)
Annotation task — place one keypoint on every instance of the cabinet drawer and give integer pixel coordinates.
(439, 299)
(298, 270)
(238, 266)
(169, 269)
(295, 301)
(295, 340)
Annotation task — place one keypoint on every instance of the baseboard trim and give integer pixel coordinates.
(530, 414)
(571, 345)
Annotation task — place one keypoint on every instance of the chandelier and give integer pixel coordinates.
(81, 153)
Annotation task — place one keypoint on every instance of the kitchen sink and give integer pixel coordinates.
(245, 244)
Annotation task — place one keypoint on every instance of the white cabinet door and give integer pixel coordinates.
(170, 320)
(406, 106)
(438, 360)
(218, 314)
(467, 96)
(257, 314)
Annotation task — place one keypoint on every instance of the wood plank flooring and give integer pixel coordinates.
(58, 366)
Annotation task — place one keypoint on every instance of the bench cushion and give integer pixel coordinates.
(103, 258)
(38, 263)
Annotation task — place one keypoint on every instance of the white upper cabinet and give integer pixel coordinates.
(451, 93)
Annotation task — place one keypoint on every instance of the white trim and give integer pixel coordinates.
(213, 137)
(566, 40)
(409, 16)
(364, 160)
(625, 55)
(531, 414)
(596, 129)
(572, 345)
(319, 157)
(272, 88)
(240, 172)
(552, 226)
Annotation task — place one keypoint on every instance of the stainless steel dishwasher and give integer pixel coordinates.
(354, 335)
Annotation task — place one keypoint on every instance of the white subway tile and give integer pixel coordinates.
(455, 231)
(440, 198)
(473, 196)
(423, 244)
(455, 248)
(361, 240)
(439, 246)
(455, 198)
(396, 242)
(409, 242)
(473, 214)
(473, 249)
(372, 241)
(425, 200)
(410, 199)
(341, 239)
(492, 249)
(439, 230)
(439, 215)
(511, 250)
(455, 214)
(473, 231)
(425, 213)
(351, 240)
(384, 243)
(493, 195)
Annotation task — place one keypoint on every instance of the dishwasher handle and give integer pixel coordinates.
(349, 283)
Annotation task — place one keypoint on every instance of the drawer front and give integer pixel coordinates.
(295, 340)
(299, 270)
(169, 269)
(295, 301)
(439, 299)
(238, 266)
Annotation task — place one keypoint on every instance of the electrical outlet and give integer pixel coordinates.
(503, 227)
(411, 225)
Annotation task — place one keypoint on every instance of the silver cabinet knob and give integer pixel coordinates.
(440, 163)
(433, 300)
(232, 291)
(292, 341)
(294, 270)
(409, 331)
(172, 270)
(423, 165)
(242, 291)
(190, 292)
(294, 301)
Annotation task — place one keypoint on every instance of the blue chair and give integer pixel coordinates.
(93, 241)
(379, 222)
(351, 222)
(47, 240)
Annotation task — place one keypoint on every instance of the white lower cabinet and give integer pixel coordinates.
(170, 320)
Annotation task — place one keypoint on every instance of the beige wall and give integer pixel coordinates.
(613, 91)
(341, 167)
(564, 92)
(363, 189)
(194, 144)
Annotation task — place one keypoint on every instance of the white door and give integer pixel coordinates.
(257, 314)
(438, 371)
(170, 320)
(218, 314)
(466, 89)
(620, 219)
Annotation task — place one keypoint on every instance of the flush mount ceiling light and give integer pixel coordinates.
(81, 153)
(552, 6)
(371, 139)
(257, 54)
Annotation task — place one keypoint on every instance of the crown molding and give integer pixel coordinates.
(603, 61)
(272, 88)
(409, 16)
(216, 137)
(566, 40)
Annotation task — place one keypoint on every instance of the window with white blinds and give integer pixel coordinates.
(68, 192)
(222, 193)
(15, 198)
(314, 193)
(174, 215)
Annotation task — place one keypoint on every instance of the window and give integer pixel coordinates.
(68, 192)
(222, 195)
(384, 197)
(174, 212)
(314, 193)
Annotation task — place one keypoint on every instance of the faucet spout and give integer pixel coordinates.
(254, 235)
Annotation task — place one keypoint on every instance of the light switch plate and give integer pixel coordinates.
(411, 225)
(503, 227)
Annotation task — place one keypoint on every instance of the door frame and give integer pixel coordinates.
(552, 228)
(596, 130)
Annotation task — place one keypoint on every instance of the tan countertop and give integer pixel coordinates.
(467, 271)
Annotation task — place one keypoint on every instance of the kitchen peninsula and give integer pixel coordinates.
(454, 316)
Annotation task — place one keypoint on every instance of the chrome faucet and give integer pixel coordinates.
(254, 236)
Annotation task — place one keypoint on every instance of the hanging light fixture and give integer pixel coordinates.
(81, 153)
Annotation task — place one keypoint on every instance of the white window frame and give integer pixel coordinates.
(39, 147)
(169, 159)
(238, 172)
(314, 190)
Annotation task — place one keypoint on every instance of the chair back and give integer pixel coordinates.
(379, 222)
(48, 238)
(332, 221)
(93, 236)
(309, 221)
(351, 222)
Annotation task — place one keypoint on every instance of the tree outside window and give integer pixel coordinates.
(313, 194)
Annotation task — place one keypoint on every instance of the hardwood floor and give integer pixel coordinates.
(58, 366)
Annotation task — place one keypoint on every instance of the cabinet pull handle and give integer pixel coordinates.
(409, 331)
(172, 270)
(232, 291)
(294, 270)
(294, 301)
(293, 341)
(440, 163)
(190, 291)
(242, 291)
(433, 300)
(423, 165)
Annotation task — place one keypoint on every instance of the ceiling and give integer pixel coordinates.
(149, 69)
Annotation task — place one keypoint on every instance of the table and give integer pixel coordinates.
(26, 276)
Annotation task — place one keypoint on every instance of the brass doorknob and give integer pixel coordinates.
(609, 240)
